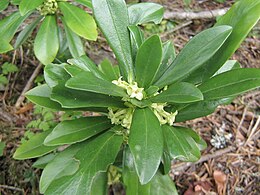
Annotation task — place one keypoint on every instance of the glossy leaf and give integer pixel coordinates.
(130, 177)
(146, 143)
(55, 74)
(162, 184)
(113, 22)
(46, 44)
(72, 70)
(141, 13)
(179, 93)
(242, 16)
(77, 130)
(205, 44)
(231, 83)
(86, 3)
(110, 72)
(167, 58)
(34, 147)
(79, 21)
(5, 46)
(85, 63)
(179, 145)
(70, 98)
(43, 161)
(40, 95)
(86, 81)
(137, 38)
(26, 32)
(94, 156)
(74, 42)
(229, 65)
(64, 164)
(10, 24)
(27, 5)
(3, 4)
(148, 61)
(99, 184)
(199, 109)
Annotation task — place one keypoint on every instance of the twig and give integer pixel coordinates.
(195, 15)
(180, 167)
(11, 188)
(28, 86)
(253, 131)
(176, 28)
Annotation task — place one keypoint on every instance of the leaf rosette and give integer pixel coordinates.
(139, 102)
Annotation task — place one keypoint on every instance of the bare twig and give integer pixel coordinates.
(180, 167)
(251, 135)
(195, 15)
(11, 188)
(176, 28)
(28, 86)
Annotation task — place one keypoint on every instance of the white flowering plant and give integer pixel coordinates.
(134, 134)
(63, 24)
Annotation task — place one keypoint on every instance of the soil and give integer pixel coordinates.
(232, 169)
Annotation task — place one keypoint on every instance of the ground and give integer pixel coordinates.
(232, 169)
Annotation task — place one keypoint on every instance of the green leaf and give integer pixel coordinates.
(46, 44)
(179, 93)
(162, 184)
(55, 74)
(86, 81)
(242, 16)
(148, 61)
(130, 178)
(64, 164)
(205, 44)
(2, 147)
(75, 44)
(141, 13)
(77, 130)
(94, 156)
(179, 144)
(146, 143)
(79, 21)
(86, 3)
(5, 46)
(112, 18)
(229, 65)
(9, 68)
(3, 4)
(10, 24)
(85, 63)
(40, 95)
(72, 70)
(158, 185)
(99, 184)
(167, 58)
(70, 98)
(110, 72)
(199, 109)
(34, 147)
(26, 32)
(27, 5)
(43, 161)
(231, 83)
(137, 38)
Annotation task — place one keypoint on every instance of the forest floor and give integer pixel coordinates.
(232, 169)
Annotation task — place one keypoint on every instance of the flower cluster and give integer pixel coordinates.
(132, 89)
(121, 116)
(163, 116)
(48, 7)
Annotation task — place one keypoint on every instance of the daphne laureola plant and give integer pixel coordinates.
(135, 134)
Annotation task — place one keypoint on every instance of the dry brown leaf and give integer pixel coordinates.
(220, 179)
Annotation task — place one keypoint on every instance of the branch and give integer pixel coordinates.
(195, 15)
